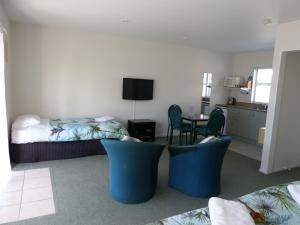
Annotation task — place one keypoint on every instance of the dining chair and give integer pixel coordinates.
(169, 123)
(214, 125)
(176, 123)
(217, 109)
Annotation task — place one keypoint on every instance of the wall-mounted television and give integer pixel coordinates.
(137, 89)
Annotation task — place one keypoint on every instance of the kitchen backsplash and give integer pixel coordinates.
(240, 97)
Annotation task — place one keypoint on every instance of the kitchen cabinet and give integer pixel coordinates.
(244, 129)
(232, 120)
(245, 123)
(258, 120)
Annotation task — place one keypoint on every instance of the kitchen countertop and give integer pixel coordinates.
(243, 107)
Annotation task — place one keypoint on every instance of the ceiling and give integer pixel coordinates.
(221, 25)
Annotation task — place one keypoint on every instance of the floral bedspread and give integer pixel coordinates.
(85, 129)
(270, 206)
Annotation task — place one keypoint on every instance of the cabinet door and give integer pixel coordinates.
(232, 121)
(244, 123)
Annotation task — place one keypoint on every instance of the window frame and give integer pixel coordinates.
(254, 83)
(206, 84)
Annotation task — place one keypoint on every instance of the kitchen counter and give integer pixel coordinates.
(246, 107)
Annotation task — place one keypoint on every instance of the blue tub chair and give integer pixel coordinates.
(196, 169)
(133, 169)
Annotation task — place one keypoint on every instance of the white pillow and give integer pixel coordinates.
(224, 212)
(209, 139)
(26, 121)
(104, 118)
(128, 138)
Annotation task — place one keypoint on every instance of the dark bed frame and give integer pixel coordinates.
(44, 151)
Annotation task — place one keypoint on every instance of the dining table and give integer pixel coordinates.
(194, 119)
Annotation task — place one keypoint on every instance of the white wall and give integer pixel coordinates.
(243, 66)
(4, 22)
(69, 73)
(287, 143)
(4, 108)
(281, 149)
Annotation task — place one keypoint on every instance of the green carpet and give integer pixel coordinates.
(81, 195)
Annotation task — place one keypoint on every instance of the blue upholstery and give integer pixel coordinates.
(133, 169)
(196, 169)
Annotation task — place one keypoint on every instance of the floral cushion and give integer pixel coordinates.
(85, 129)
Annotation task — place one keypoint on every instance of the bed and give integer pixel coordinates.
(62, 139)
(274, 206)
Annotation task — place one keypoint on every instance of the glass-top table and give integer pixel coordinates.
(194, 119)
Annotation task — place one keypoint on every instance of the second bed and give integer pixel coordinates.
(62, 139)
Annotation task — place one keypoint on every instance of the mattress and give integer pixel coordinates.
(63, 130)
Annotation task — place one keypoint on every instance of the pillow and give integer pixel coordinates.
(128, 138)
(223, 212)
(209, 139)
(26, 121)
(104, 118)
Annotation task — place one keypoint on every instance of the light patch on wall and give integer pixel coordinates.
(5, 50)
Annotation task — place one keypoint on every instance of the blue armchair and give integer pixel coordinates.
(133, 169)
(196, 169)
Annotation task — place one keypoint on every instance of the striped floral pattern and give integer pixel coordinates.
(270, 206)
(85, 129)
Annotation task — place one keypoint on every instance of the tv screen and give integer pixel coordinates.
(137, 89)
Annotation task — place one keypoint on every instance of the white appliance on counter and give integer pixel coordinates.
(233, 82)
(225, 111)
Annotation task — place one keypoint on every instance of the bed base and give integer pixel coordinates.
(44, 151)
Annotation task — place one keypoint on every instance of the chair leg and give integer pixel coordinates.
(168, 132)
(186, 138)
(193, 124)
(171, 136)
(195, 136)
(180, 138)
(206, 133)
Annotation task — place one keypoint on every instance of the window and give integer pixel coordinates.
(206, 86)
(261, 86)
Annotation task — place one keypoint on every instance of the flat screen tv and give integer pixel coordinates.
(137, 89)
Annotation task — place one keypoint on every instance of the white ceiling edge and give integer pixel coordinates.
(79, 29)
(235, 28)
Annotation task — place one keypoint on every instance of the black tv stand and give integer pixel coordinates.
(143, 129)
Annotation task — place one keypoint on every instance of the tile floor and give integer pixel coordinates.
(250, 150)
(27, 195)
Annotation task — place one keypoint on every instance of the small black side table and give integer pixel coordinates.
(143, 129)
